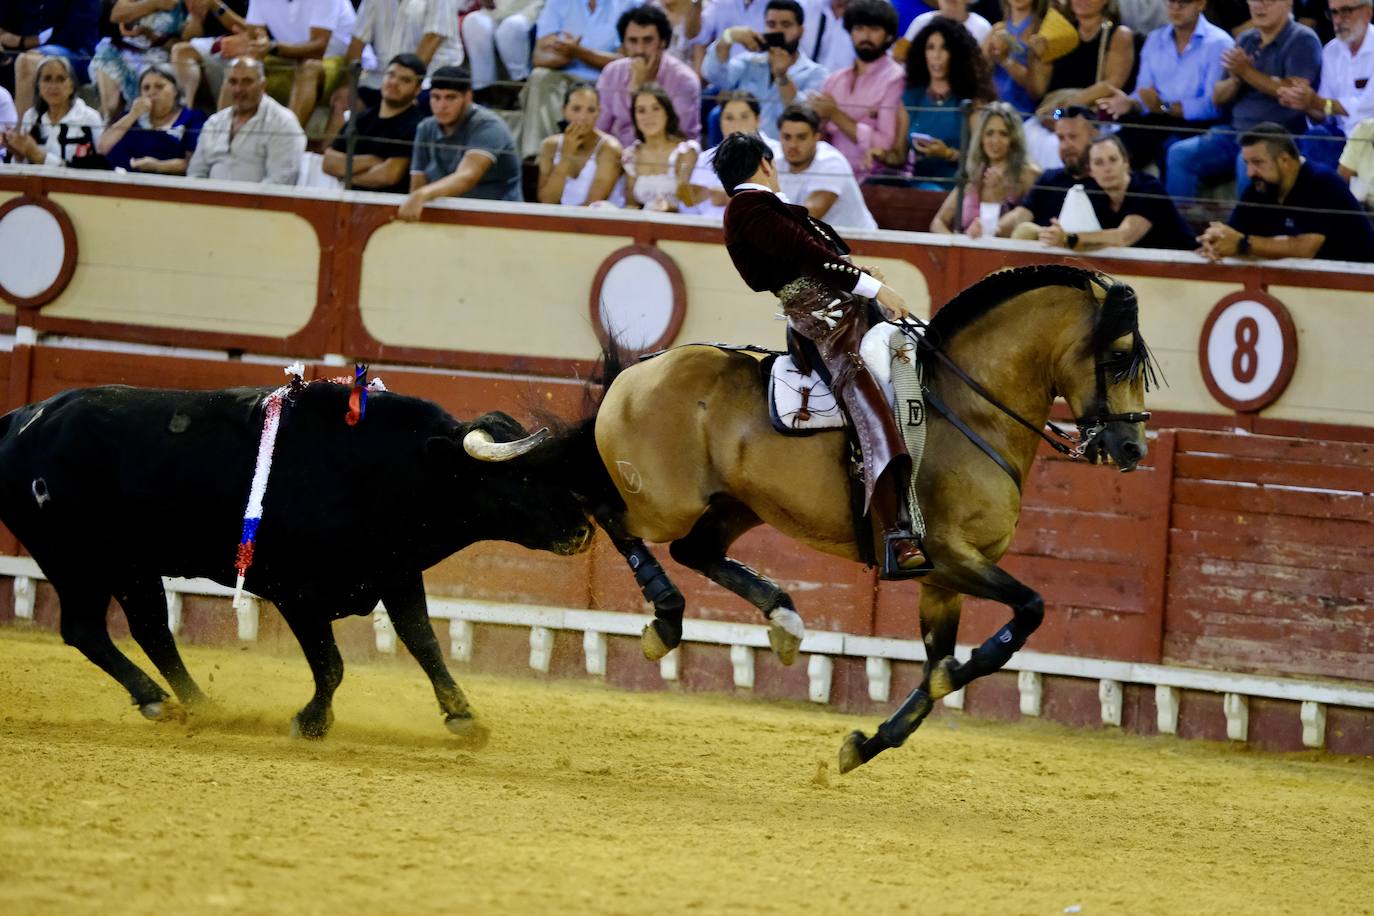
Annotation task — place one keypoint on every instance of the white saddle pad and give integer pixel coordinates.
(805, 402)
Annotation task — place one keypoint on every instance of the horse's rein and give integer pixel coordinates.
(1065, 444)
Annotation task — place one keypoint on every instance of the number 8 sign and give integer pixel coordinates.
(1248, 350)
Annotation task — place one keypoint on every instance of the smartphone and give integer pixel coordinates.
(774, 40)
(918, 137)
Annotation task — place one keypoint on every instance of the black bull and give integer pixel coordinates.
(112, 488)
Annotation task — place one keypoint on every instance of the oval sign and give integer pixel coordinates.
(1248, 350)
(37, 251)
(639, 298)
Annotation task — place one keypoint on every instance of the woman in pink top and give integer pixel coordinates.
(1000, 174)
(859, 104)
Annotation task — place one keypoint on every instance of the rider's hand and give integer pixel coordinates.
(894, 307)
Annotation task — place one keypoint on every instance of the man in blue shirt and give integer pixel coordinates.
(75, 28)
(1292, 208)
(464, 150)
(778, 75)
(1179, 65)
(1278, 50)
(574, 40)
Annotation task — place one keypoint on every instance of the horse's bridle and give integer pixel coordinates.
(1091, 425)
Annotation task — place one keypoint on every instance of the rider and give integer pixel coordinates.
(779, 247)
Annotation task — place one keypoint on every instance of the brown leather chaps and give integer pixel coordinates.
(835, 324)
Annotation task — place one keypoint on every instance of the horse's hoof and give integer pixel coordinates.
(311, 731)
(165, 710)
(652, 644)
(942, 679)
(785, 634)
(851, 757)
(472, 733)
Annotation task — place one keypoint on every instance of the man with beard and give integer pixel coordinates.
(1346, 95)
(644, 35)
(776, 72)
(1291, 209)
(860, 103)
(1076, 129)
(383, 136)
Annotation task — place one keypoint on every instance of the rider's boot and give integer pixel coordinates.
(899, 548)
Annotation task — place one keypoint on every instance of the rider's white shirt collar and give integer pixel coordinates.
(750, 186)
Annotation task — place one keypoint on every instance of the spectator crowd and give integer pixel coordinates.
(1235, 128)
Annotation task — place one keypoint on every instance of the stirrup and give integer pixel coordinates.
(897, 566)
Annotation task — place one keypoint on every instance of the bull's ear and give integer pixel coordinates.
(502, 426)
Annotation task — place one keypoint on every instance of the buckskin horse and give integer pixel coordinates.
(696, 462)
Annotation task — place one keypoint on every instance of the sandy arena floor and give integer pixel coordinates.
(592, 800)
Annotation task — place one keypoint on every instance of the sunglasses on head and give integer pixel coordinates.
(1074, 111)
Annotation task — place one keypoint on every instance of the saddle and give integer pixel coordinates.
(800, 402)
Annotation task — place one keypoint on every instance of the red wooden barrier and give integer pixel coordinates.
(1270, 567)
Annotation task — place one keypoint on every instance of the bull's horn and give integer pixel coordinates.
(480, 445)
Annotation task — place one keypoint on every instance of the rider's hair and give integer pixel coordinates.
(737, 159)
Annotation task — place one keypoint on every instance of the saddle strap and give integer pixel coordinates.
(940, 407)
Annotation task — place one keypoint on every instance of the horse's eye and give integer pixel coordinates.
(1119, 355)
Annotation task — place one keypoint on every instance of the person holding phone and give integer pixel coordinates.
(775, 70)
(944, 68)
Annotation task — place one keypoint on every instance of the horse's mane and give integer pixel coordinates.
(991, 291)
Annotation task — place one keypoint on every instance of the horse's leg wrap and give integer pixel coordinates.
(994, 654)
(749, 584)
(659, 591)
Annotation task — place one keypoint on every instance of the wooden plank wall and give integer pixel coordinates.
(1271, 565)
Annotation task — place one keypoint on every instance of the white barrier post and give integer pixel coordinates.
(1166, 709)
(1031, 686)
(1237, 709)
(879, 679)
(174, 611)
(248, 610)
(594, 646)
(668, 665)
(1313, 724)
(818, 674)
(1109, 694)
(383, 631)
(460, 638)
(541, 649)
(24, 595)
(955, 700)
(742, 661)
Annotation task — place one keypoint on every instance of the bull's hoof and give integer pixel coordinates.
(652, 643)
(311, 728)
(785, 634)
(851, 752)
(472, 734)
(164, 710)
(942, 678)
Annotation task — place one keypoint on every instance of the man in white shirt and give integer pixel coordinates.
(827, 41)
(816, 175)
(254, 139)
(426, 28)
(303, 44)
(959, 11)
(1346, 94)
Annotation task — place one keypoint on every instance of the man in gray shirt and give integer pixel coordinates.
(464, 150)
